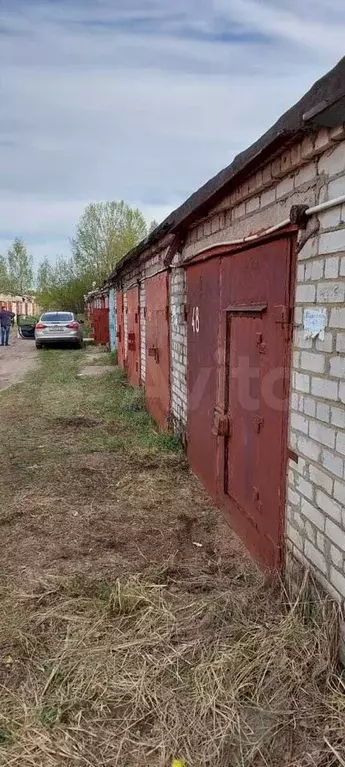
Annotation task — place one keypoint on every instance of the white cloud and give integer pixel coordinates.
(142, 100)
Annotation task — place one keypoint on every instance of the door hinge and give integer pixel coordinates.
(222, 425)
(284, 316)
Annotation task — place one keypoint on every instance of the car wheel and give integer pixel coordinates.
(38, 346)
(79, 345)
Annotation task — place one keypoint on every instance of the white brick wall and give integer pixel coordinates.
(178, 345)
(316, 488)
(142, 304)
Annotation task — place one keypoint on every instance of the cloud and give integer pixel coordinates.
(142, 100)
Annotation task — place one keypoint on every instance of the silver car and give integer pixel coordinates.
(57, 328)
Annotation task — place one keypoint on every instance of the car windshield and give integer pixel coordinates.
(57, 317)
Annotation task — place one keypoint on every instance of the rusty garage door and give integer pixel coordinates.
(250, 396)
(157, 389)
(202, 343)
(120, 329)
(133, 336)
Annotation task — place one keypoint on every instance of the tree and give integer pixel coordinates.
(20, 269)
(153, 226)
(4, 279)
(105, 232)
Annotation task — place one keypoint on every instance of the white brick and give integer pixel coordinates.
(304, 487)
(337, 557)
(342, 392)
(315, 363)
(298, 316)
(335, 533)
(332, 267)
(309, 448)
(305, 294)
(300, 272)
(322, 434)
(337, 367)
(285, 186)
(296, 360)
(332, 242)
(338, 581)
(294, 401)
(336, 188)
(333, 463)
(321, 479)
(330, 292)
(340, 342)
(293, 497)
(340, 446)
(268, 197)
(342, 267)
(300, 467)
(338, 417)
(300, 341)
(323, 412)
(333, 161)
(252, 204)
(306, 174)
(309, 249)
(299, 423)
(309, 406)
(331, 508)
(313, 514)
(330, 217)
(326, 345)
(315, 556)
(314, 269)
(294, 536)
(339, 493)
(337, 319)
(322, 387)
(302, 382)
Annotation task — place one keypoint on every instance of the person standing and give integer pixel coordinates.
(6, 318)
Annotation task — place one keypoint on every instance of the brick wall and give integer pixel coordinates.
(178, 346)
(316, 484)
(125, 323)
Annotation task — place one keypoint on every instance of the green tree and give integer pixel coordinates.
(4, 279)
(20, 270)
(105, 232)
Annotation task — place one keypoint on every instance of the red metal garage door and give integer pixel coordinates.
(120, 330)
(251, 393)
(133, 353)
(100, 322)
(202, 343)
(157, 383)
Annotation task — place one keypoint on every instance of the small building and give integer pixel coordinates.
(97, 311)
(231, 315)
(21, 305)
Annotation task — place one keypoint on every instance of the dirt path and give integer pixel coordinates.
(134, 630)
(16, 360)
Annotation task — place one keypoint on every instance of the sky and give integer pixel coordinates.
(141, 100)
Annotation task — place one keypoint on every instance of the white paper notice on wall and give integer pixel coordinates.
(314, 323)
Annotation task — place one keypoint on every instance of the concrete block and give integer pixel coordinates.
(309, 406)
(268, 197)
(339, 494)
(322, 387)
(301, 382)
(337, 318)
(314, 363)
(314, 269)
(335, 533)
(330, 292)
(330, 218)
(300, 341)
(304, 487)
(310, 512)
(337, 367)
(300, 272)
(333, 463)
(309, 449)
(330, 507)
(322, 434)
(332, 267)
(322, 140)
(326, 345)
(342, 392)
(338, 581)
(309, 249)
(285, 186)
(342, 267)
(332, 162)
(252, 204)
(294, 536)
(293, 497)
(338, 417)
(315, 556)
(308, 144)
(299, 423)
(336, 557)
(340, 342)
(323, 412)
(321, 479)
(332, 242)
(340, 443)
(305, 294)
(306, 174)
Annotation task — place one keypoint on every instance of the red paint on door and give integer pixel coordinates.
(245, 399)
(120, 329)
(100, 324)
(133, 335)
(202, 345)
(157, 379)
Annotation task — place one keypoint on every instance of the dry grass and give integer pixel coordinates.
(122, 643)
